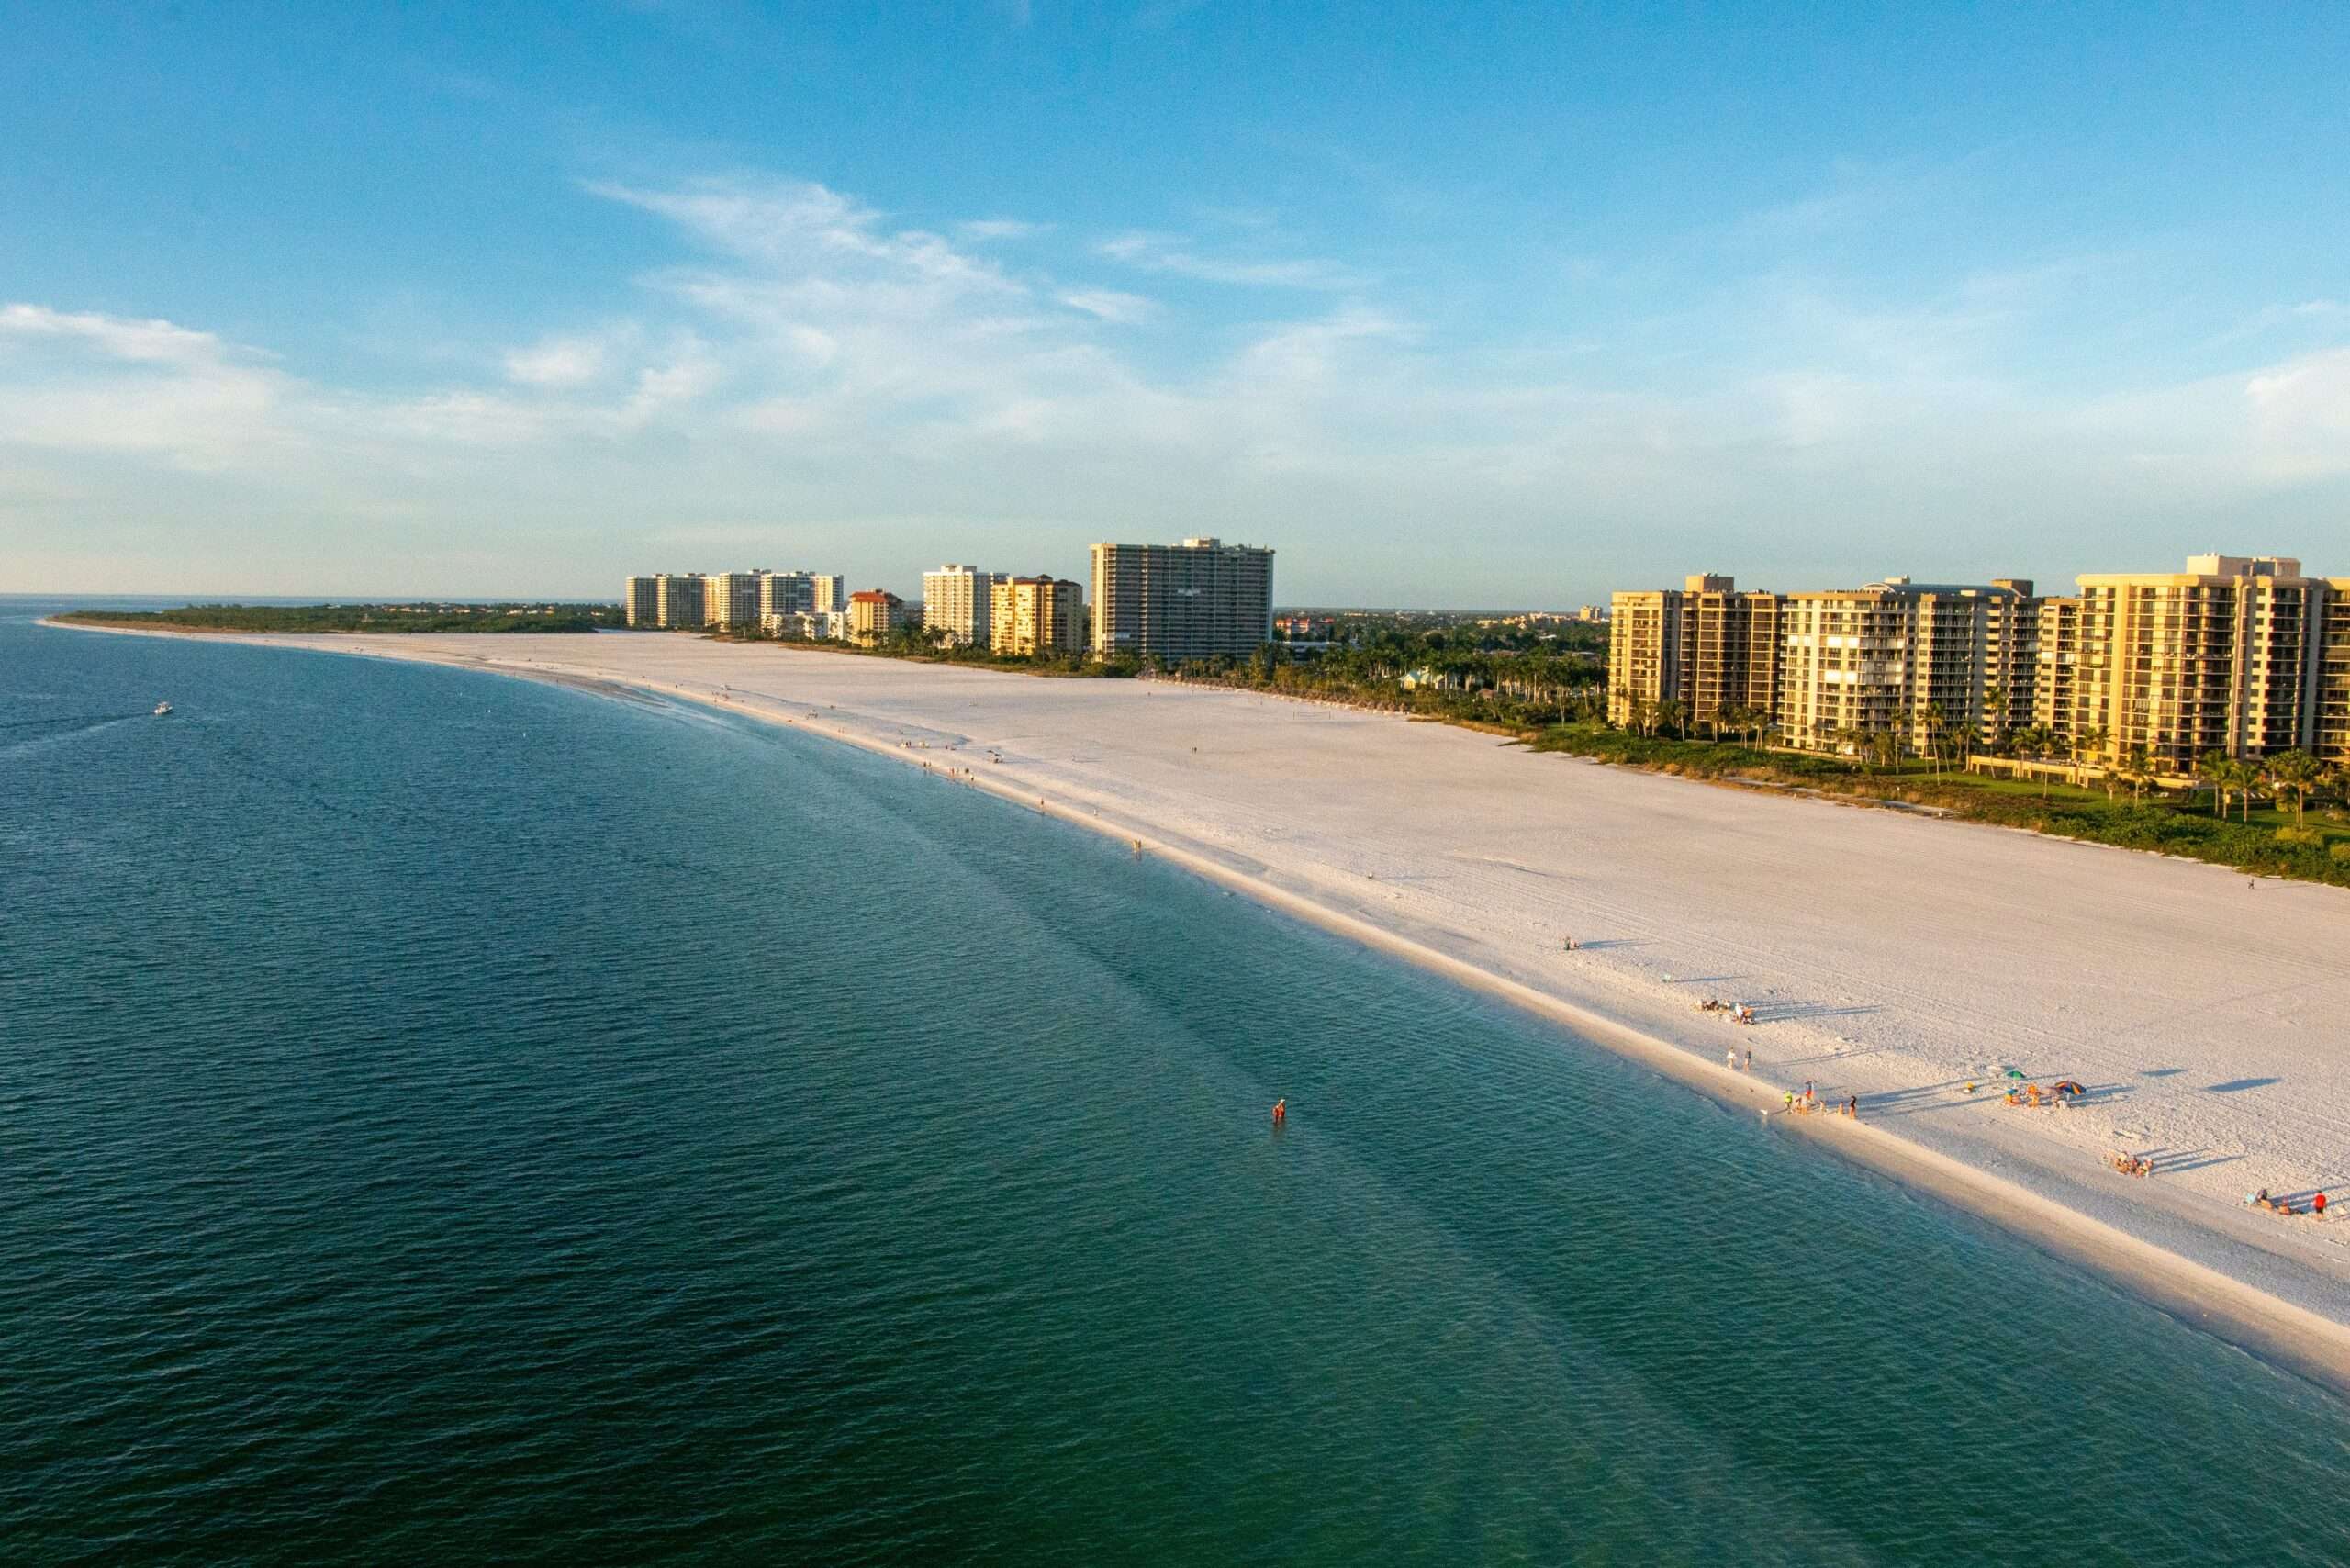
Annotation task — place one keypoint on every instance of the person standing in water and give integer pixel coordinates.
(1280, 1112)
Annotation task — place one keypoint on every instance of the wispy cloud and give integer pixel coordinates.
(154, 342)
(1108, 305)
(985, 228)
(879, 388)
(1170, 254)
(557, 361)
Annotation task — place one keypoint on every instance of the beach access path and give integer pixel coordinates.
(1885, 955)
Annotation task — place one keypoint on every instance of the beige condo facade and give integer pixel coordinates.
(2244, 656)
(1037, 615)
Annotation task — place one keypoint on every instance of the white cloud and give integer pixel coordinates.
(882, 392)
(561, 362)
(1166, 253)
(983, 229)
(1108, 305)
(154, 342)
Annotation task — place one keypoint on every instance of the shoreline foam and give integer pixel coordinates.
(2248, 1294)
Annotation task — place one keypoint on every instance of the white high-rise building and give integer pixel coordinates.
(830, 593)
(955, 599)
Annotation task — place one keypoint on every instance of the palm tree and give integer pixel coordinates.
(1936, 724)
(2296, 772)
(2032, 743)
(2089, 744)
(2138, 770)
(1670, 714)
(2247, 780)
(2215, 769)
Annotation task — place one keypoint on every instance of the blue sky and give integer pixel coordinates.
(1474, 305)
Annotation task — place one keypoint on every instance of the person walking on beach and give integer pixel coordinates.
(1729, 1059)
(2317, 1204)
(1750, 1058)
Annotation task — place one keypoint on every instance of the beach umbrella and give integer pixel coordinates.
(2015, 1072)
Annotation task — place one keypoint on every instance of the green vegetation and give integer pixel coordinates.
(2267, 843)
(314, 618)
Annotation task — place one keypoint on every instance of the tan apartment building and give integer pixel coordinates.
(1037, 615)
(1913, 658)
(873, 615)
(1703, 645)
(959, 600)
(829, 593)
(1198, 599)
(2226, 656)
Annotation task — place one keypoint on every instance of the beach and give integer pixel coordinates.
(1885, 956)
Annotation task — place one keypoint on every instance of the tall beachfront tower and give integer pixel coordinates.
(786, 593)
(1704, 646)
(958, 600)
(642, 598)
(678, 601)
(2333, 676)
(731, 598)
(829, 591)
(1198, 599)
(2229, 656)
(1037, 615)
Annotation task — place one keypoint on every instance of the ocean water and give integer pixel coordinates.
(449, 1118)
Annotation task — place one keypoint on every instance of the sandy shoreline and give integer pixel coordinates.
(1887, 956)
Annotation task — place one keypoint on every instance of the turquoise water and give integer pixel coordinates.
(445, 1117)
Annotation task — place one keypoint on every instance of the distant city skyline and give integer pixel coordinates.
(1476, 308)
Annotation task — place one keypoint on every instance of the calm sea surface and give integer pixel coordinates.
(447, 1118)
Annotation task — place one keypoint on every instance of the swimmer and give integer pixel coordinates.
(1280, 1112)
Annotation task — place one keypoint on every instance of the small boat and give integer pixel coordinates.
(161, 709)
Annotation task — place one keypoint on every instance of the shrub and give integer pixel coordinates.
(2341, 851)
(2307, 836)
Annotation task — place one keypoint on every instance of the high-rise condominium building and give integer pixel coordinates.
(2227, 656)
(873, 615)
(786, 593)
(642, 598)
(830, 593)
(1917, 659)
(1037, 615)
(1198, 600)
(1703, 645)
(2333, 725)
(678, 599)
(957, 601)
(731, 598)
(2238, 654)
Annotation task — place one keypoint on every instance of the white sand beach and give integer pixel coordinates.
(1888, 955)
